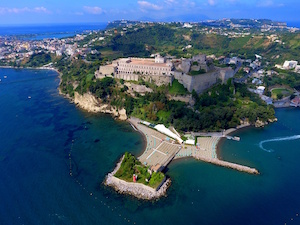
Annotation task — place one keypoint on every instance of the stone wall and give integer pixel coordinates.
(105, 71)
(226, 73)
(198, 83)
(202, 82)
(125, 76)
(158, 80)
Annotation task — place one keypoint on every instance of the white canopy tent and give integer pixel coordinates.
(161, 128)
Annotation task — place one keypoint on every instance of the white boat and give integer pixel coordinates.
(5, 77)
(29, 97)
(235, 138)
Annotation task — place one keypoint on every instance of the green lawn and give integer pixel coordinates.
(177, 88)
(285, 92)
(163, 115)
(89, 77)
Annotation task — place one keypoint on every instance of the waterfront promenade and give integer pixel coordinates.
(161, 150)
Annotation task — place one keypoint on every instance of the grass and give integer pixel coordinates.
(285, 92)
(239, 42)
(177, 88)
(163, 115)
(195, 73)
(130, 165)
(89, 77)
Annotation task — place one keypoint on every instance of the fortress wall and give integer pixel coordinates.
(198, 83)
(158, 80)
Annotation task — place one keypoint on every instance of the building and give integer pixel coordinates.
(260, 90)
(290, 65)
(150, 69)
(295, 102)
(194, 74)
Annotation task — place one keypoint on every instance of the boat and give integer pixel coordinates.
(29, 97)
(235, 138)
(5, 77)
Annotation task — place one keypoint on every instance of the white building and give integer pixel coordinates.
(290, 65)
(157, 66)
(260, 90)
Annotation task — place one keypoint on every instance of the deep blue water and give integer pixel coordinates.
(38, 32)
(294, 24)
(44, 138)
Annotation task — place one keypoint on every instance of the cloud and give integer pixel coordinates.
(170, 2)
(211, 2)
(147, 5)
(188, 3)
(268, 3)
(93, 10)
(40, 9)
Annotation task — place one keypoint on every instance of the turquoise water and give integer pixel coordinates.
(44, 138)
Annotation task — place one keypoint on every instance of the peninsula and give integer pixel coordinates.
(184, 86)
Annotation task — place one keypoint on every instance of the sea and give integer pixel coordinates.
(54, 158)
(40, 32)
(294, 24)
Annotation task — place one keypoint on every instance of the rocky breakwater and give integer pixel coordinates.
(137, 190)
(230, 165)
(90, 103)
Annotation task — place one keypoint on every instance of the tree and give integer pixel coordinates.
(279, 96)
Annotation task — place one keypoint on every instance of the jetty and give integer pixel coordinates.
(230, 165)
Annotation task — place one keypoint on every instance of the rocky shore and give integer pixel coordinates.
(90, 103)
(137, 190)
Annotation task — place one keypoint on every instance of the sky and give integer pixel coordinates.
(96, 11)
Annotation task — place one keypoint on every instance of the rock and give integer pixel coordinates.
(272, 120)
(260, 123)
(122, 114)
(87, 101)
(90, 103)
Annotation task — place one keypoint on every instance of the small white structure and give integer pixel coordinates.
(290, 65)
(161, 128)
(187, 25)
(258, 56)
(146, 123)
(260, 90)
(190, 142)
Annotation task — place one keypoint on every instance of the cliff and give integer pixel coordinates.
(90, 103)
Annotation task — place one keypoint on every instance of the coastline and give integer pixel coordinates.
(139, 190)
